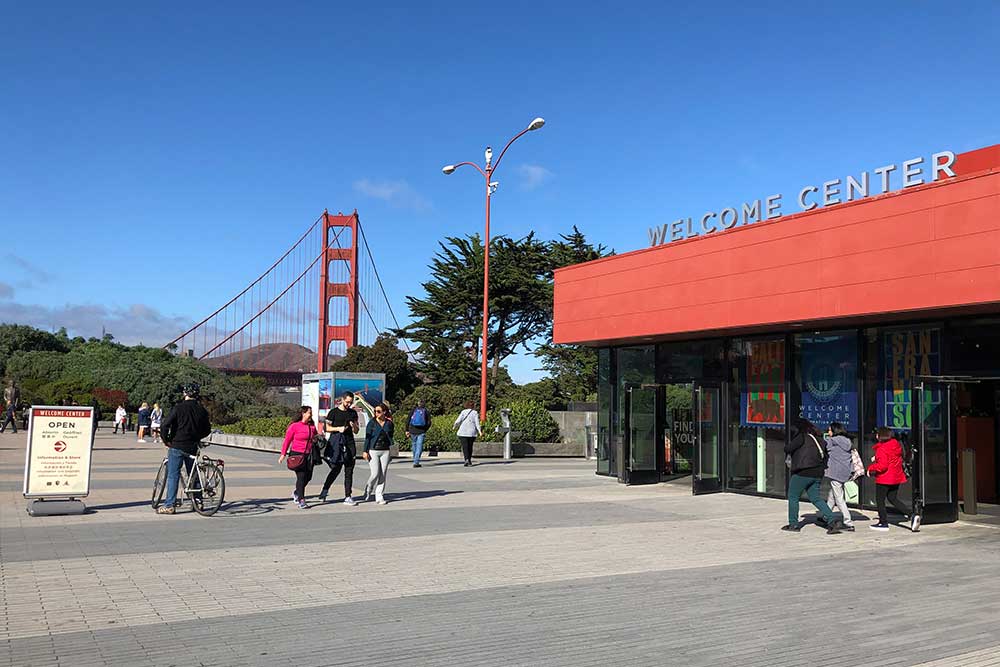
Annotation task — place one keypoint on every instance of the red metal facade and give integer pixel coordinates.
(928, 250)
(335, 247)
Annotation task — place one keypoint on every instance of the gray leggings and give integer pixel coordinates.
(378, 462)
(838, 497)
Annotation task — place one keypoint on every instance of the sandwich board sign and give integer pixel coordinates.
(57, 460)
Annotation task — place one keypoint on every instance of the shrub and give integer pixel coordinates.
(441, 433)
(529, 417)
(270, 427)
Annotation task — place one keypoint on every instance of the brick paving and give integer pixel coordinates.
(535, 562)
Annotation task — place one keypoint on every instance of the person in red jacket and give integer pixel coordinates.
(887, 471)
(299, 440)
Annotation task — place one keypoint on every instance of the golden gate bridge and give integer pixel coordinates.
(317, 300)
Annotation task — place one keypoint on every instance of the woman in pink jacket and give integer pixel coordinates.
(299, 437)
(887, 471)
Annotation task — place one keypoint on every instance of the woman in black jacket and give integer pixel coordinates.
(808, 463)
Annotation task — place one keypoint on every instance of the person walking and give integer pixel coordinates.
(9, 417)
(378, 441)
(469, 429)
(341, 425)
(299, 437)
(144, 421)
(155, 419)
(839, 471)
(887, 471)
(807, 465)
(183, 430)
(417, 425)
(120, 416)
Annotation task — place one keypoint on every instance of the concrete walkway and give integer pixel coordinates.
(533, 562)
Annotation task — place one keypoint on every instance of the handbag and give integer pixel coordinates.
(857, 465)
(297, 460)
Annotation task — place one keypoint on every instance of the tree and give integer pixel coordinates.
(448, 320)
(573, 367)
(384, 356)
(22, 338)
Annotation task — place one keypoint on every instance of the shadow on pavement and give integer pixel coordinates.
(416, 495)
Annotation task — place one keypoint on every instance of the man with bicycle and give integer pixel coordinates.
(182, 431)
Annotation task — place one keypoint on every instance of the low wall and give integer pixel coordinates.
(573, 425)
(481, 449)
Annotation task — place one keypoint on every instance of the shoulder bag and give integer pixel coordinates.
(297, 460)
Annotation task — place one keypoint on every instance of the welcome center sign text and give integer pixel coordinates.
(809, 197)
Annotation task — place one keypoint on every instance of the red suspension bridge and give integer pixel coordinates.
(320, 298)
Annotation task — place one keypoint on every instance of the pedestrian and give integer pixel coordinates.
(469, 429)
(12, 394)
(839, 469)
(155, 419)
(378, 441)
(807, 463)
(183, 430)
(9, 417)
(96, 417)
(144, 421)
(887, 470)
(120, 416)
(299, 437)
(417, 425)
(340, 452)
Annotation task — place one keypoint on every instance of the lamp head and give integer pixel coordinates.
(448, 169)
(536, 124)
(489, 155)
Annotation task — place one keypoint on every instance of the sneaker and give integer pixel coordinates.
(322, 496)
(381, 501)
(350, 501)
(792, 528)
(915, 523)
(143, 441)
(833, 528)
(295, 497)
(416, 465)
(302, 505)
(163, 509)
(879, 526)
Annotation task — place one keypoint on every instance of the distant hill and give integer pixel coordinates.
(289, 357)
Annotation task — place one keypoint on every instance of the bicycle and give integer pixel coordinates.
(207, 486)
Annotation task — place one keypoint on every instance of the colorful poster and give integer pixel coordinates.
(57, 462)
(828, 367)
(762, 390)
(905, 355)
(369, 391)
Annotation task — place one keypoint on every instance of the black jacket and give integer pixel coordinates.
(808, 460)
(185, 426)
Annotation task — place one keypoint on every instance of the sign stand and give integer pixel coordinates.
(43, 507)
(57, 459)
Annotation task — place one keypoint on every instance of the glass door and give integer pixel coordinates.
(640, 435)
(933, 454)
(707, 477)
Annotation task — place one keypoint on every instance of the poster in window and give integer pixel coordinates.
(762, 390)
(828, 379)
(906, 355)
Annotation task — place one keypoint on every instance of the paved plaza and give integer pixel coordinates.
(533, 562)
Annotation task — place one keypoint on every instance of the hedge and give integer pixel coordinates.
(530, 418)
(270, 427)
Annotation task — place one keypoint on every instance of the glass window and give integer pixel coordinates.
(636, 367)
(895, 358)
(691, 360)
(605, 392)
(973, 347)
(756, 446)
(678, 432)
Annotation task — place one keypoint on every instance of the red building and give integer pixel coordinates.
(879, 311)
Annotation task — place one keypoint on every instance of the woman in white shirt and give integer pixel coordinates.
(469, 429)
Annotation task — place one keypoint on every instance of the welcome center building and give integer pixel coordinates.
(877, 303)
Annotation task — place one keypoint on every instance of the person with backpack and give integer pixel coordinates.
(417, 425)
(469, 429)
(839, 470)
(807, 463)
(299, 438)
(887, 470)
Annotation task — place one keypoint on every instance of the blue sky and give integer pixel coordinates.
(149, 145)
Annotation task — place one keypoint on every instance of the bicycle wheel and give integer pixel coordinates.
(207, 499)
(159, 485)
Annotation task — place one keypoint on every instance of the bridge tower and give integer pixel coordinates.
(338, 248)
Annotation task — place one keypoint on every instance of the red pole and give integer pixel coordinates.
(486, 302)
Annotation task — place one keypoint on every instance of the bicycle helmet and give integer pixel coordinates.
(191, 390)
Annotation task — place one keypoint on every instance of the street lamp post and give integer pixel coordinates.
(491, 186)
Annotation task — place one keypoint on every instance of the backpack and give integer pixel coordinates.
(419, 417)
